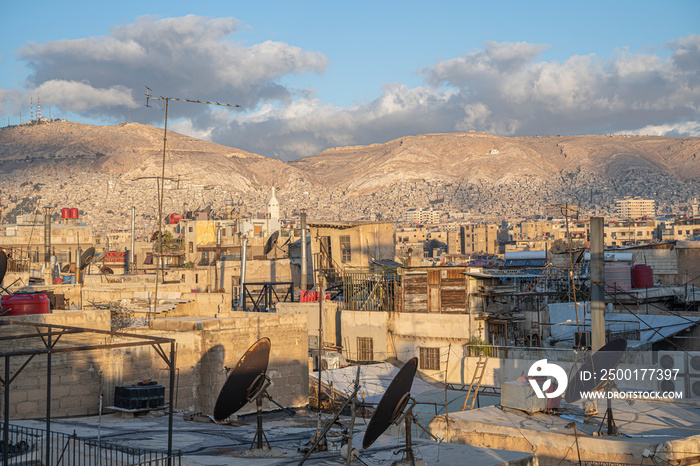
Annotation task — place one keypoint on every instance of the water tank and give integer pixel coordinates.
(65, 213)
(617, 277)
(25, 304)
(642, 276)
(174, 218)
(74, 213)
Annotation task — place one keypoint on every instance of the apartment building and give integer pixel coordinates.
(635, 208)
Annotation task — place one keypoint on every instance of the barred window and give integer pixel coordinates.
(365, 349)
(429, 359)
(345, 248)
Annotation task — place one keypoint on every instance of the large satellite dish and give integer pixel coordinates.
(248, 382)
(392, 405)
(86, 257)
(603, 360)
(3, 265)
(245, 380)
(271, 241)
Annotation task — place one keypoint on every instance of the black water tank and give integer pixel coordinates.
(143, 395)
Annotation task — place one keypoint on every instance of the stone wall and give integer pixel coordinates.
(204, 346)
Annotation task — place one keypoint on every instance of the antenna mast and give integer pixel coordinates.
(161, 179)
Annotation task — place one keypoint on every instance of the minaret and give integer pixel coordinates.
(273, 213)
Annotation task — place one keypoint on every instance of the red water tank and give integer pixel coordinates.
(174, 218)
(74, 213)
(65, 213)
(25, 304)
(642, 276)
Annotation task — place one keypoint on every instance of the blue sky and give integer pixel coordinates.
(313, 75)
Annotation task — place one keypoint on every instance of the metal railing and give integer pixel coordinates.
(369, 291)
(32, 446)
(515, 352)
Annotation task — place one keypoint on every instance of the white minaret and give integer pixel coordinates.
(273, 213)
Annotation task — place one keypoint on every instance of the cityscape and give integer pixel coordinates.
(391, 234)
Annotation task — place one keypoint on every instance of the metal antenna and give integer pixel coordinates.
(161, 180)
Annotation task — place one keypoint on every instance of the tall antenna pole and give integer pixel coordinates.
(161, 180)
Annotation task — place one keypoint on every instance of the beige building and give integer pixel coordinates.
(630, 233)
(480, 239)
(342, 246)
(25, 242)
(635, 208)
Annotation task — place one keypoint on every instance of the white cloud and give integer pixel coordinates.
(506, 88)
(187, 57)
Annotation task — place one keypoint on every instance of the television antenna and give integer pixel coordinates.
(161, 179)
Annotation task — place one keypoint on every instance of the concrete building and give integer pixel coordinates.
(630, 208)
(480, 238)
(346, 246)
(421, 216)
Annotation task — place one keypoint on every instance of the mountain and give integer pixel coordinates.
(478, 157)
(106, 169)
(133, 150)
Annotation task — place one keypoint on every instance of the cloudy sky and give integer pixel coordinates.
(314, 75)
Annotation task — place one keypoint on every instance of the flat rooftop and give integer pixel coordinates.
(643, 425)
(207, 443)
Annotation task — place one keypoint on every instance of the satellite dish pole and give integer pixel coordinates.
(161, 180)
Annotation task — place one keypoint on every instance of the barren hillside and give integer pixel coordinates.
(479, 157)
(133, 150)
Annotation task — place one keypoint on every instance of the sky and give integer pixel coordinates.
(311, 75)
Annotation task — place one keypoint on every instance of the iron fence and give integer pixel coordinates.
(369, 291)
(28, 446)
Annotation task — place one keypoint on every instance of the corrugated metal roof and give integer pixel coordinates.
(652, 327)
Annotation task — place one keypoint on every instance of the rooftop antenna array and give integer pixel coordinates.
(602, 361)
(161, 180)
(570, 211)
(393, 408)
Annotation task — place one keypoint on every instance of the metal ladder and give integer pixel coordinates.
(476, 382)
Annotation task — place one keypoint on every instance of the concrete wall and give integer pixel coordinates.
(204, 346)
(689, 262)
(331, 318)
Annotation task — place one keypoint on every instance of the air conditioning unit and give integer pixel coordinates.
(677, 385)
(693, 387)
(582, 339)
(672, 360)
(694, 362)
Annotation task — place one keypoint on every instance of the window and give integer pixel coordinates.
(365, 349)
(191, 246)
(429, 359)
(345, 250)
(190, 229)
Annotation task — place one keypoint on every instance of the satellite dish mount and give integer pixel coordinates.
(251, 373)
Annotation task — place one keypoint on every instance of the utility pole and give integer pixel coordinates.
(161, 180)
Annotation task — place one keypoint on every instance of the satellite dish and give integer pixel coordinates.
(605, 359)
(391, 407)
(3, 265)
(248, 381)
(86, 257)
(271, 241)
(243, 381)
